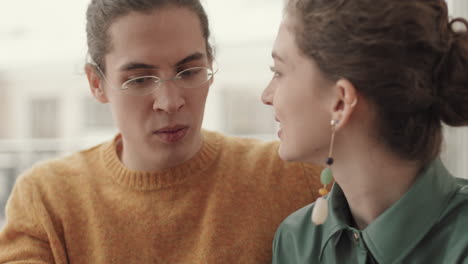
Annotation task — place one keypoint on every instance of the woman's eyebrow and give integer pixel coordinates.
(275, 56)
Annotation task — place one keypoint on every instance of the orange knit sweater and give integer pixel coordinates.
(222, 206)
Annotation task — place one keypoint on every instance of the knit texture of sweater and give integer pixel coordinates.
(221, 206)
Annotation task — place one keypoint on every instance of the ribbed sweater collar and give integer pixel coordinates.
(142, 180)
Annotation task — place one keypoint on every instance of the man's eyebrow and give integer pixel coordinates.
(275, 56)
(195, 56)
(136, 65)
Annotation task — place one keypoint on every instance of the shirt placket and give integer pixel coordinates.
(359, 246)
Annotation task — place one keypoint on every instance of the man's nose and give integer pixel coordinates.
(168, 97)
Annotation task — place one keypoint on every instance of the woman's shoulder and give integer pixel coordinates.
(299, 223)
(299, 218)
(458, 203)
(297, 239)
(463, 184)
(459, 199)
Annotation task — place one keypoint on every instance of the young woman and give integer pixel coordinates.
(163, 190)
(363, 87)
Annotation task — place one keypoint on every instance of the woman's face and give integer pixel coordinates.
(301, 97)
(164, 125)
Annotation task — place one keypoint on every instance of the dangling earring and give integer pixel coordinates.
(320, 211)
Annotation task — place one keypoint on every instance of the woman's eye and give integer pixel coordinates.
(276, 74)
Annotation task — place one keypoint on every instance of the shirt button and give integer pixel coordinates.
(356, 236)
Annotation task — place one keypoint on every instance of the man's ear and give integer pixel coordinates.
(214, 67)
(345, 103)
(95, 83)
(211, 80)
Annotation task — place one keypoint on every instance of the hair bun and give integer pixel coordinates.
(452, 96)
(458, 25)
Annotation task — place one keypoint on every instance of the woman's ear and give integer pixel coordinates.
(345, 103)
(95, 83)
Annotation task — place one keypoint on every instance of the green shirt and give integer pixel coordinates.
(429, 224)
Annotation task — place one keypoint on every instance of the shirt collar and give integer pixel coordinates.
(338, 217)
(399, 229)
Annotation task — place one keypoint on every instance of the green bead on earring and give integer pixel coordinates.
(326, 177)
(320, 211)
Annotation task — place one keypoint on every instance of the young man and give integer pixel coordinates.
(163, 190)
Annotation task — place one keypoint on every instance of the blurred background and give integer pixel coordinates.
(46, 109)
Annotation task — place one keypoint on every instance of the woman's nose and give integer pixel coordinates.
(267, 95)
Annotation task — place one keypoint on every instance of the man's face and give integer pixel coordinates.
(165, 124)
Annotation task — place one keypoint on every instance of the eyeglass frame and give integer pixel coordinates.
(159, 80)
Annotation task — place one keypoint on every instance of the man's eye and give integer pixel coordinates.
(140, 82)
(189, 73)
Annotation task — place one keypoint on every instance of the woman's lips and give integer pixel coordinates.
(280, 130)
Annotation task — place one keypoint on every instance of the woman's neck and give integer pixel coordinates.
(372, 179)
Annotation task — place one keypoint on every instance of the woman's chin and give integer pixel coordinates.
(287, 154)
(292, 153)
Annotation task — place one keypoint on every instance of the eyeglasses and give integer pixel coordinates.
(143, 85)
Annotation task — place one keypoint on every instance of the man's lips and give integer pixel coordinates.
(172, 134)
(170, 129)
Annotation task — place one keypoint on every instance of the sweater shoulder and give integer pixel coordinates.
(256, 150)
(61, 170)
(261, 158)
(251, 151)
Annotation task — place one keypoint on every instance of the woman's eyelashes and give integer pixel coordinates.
(275, 71)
